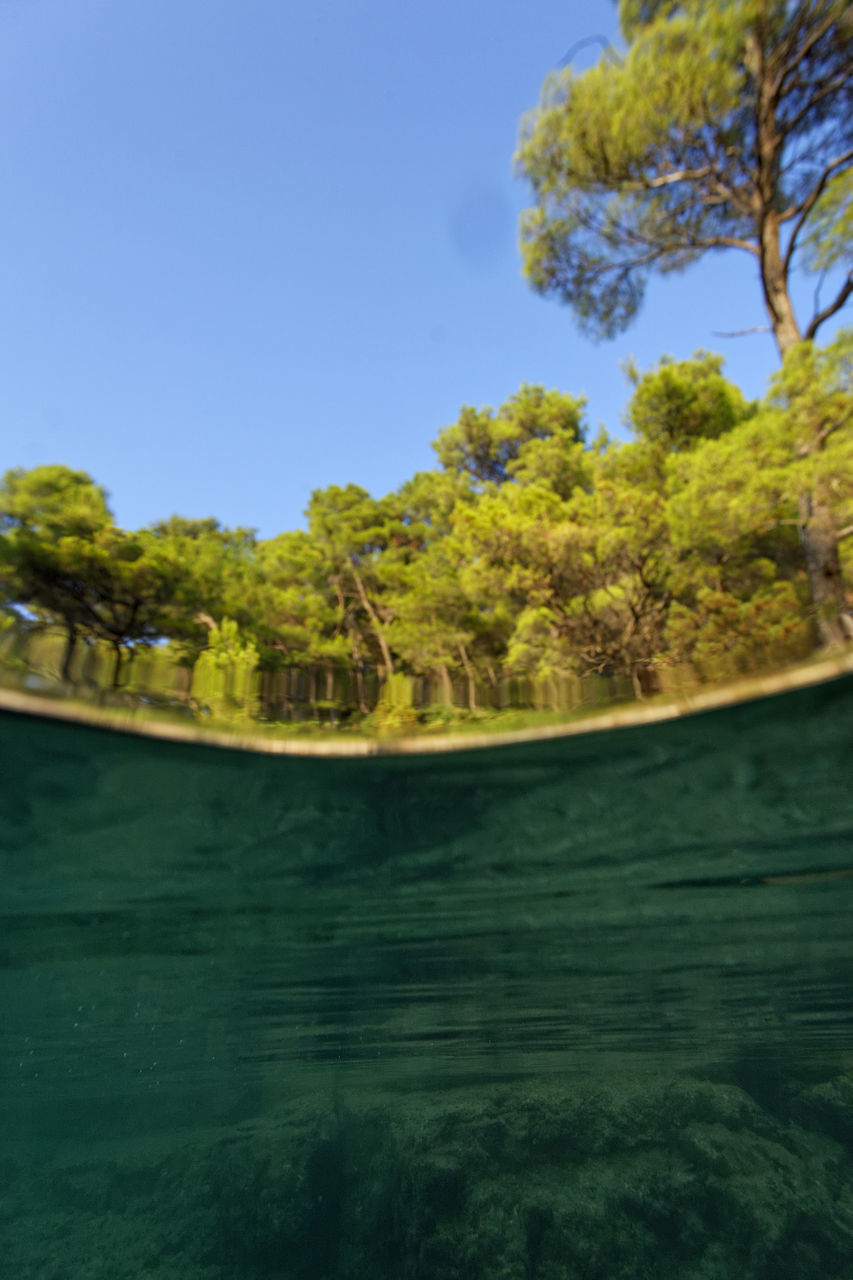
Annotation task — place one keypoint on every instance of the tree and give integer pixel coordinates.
(428, 631)
(724, 635)
(424, 506)
(727, 125)
(584, 580)
(63, 557)
(49, 517)
(679, 403)
(787, 469)
(351, 528)
(123, 584)
(436, 628)
(483, 445)
(297, 619)
(219, 578)
(521, 560)
(225, 675)
(626, 600)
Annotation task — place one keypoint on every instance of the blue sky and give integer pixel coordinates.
(252, 249)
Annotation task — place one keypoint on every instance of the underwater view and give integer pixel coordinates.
(577, 1009)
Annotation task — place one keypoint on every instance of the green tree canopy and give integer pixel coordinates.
(52, 502)
(351, 529)
(484, 444)
(123, 584)
(297, 616)
(49, 519)
(791, 465)
(218, 577)
(679, 403)
(728, 124)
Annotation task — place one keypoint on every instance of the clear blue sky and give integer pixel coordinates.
(255, 248)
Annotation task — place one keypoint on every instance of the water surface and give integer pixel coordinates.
(577, 1008)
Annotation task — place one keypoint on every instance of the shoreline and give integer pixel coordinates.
(746, 690)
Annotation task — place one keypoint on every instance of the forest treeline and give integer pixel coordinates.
(718, 538)
(530, 550)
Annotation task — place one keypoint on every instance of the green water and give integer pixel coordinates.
(578, 1009)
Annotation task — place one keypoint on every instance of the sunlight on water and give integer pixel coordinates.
(579, 1008)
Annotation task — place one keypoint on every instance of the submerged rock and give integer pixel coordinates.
(684, 1179)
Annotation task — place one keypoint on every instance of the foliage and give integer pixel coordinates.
(224, 677)
(350, 529)
(485, 446)
(679, 403)
(725, 637)
(394, 712)
(295, 613)
(790, 466)
(64, 558)
(829, 242)
(724, 126)
(48, 519)
(527, 556)
(217, 577)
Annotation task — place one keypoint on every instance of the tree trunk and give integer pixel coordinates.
(363, 705)
(646, 681)
(469, 672)
(70, 646)
(774, 283)
(116, 665)
(820, 544)
(374, 622)
(446, 685)
(280, 692)
(359, 668)
(769, 152)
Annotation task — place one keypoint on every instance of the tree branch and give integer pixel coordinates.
(680, 175)
(791, 65)
(722, 242)
(675, 244)
(741, 333)
(830, 310)
(607, 46)
(809, 203)
(787, 127)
